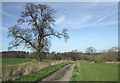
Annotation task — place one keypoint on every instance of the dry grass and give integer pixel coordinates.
(12, 73)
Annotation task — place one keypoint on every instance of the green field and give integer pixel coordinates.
(11, 61)
(84, 71)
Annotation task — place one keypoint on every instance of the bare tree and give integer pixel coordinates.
(91, 51)
(40, 21)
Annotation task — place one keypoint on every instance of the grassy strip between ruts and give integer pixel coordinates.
(75, 75)
(39, 75)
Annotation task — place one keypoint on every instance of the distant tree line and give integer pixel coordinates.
(46, 55)
(14, 54)
(20, 54)
(111, 54)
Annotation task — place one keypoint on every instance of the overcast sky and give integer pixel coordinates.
(88, 23)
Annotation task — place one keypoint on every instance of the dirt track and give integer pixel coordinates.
(62, 74)
(68, 74)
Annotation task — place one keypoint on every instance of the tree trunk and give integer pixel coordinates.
(90, 55)
(38, 54)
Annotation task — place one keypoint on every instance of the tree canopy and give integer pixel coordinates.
(37, 35)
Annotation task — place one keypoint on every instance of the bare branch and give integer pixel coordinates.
(26, 41)
(40, 17)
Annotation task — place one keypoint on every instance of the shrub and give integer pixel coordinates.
(109, 56)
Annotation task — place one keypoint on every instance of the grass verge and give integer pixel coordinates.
(76, 72)
(39, 75)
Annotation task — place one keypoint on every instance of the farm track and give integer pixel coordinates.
(19, 64)
(62, 74)
(68, 74)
